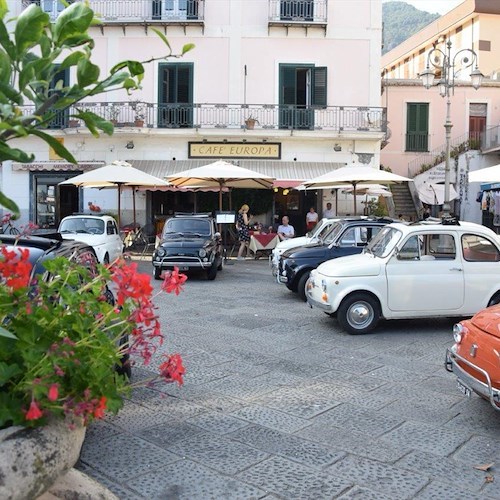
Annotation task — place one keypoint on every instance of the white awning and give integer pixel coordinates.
(433, 194)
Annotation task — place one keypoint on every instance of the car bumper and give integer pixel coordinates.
(468, 381)
(312, 302)
(182, 264)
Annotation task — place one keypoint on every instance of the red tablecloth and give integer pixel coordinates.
(263, 242)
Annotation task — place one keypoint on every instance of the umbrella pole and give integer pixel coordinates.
(133, 201)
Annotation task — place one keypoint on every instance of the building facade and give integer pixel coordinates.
(287, 88)
(416, 116)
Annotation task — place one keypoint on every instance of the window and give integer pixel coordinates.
(61, 79)
(111, 228)
(478, 249)
(297, 10)
(175, 100)
(302, 87)
(175, 9)
(417, 126)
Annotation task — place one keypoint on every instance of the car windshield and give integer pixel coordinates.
(197, 227)
(330, 236)
(321, 233)
(383, 243)
(82, 225)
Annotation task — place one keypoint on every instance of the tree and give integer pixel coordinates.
(32, 55)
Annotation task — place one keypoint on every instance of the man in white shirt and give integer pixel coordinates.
(328, 213)
(285, 230)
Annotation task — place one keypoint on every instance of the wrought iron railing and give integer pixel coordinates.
(417, 142)
(130, 11)
(232, 116)
(298, 11)
(458, 145)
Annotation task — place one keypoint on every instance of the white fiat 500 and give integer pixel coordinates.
(318, 232)
(98, 231)
(427, 269)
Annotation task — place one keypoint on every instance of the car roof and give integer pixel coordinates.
(90, 216)
(436, 225)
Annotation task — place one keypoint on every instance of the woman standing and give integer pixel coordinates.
(242, 225)
(311, 219)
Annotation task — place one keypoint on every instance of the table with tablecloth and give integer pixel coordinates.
(262, 243)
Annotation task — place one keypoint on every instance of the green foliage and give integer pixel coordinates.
(401, 21)
(376, 207)
(28, 68)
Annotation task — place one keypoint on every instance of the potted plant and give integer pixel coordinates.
(140, 113)
(61, 335)
(73, 123)
(250, 122)
(113, 113)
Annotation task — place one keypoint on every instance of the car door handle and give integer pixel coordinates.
(459, 269)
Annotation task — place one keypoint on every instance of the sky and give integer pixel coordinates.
(433, 6)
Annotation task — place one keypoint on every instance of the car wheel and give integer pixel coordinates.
(358, 313)
(301, 287)
(220, 267)
(156, 272)
(494, 300)
(212, 272)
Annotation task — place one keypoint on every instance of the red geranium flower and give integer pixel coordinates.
(34, 413)
(53, 392)
(173, 281)
(173, 369)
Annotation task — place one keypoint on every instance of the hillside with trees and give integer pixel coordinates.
(401, 20)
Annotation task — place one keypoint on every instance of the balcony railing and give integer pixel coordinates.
(417, 141)
(233, 116)
(134, 11)
(289, 12)
(490, 139)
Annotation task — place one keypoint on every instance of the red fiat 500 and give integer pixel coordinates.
(475, 356)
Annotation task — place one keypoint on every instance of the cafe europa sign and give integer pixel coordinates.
(260, 150)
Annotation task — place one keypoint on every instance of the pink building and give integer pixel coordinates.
(416, 115)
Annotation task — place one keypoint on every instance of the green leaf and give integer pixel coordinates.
(9, 205)
(55, 145)
(3, 8)
(5, 70)
(187, 47)
(7, 371)
(8, 153)
(95, 122)
(29, 27)
(163, 37)
(86, 72)
(135, 68)
(6, 42)
(113, 81)
(72, 21)
(11, 93)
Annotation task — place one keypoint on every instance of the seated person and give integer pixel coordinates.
(285, 230)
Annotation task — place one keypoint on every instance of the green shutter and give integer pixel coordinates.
(288, 84)
(417, 126)
(319, 97)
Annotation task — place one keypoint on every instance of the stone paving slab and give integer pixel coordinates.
(279, 403)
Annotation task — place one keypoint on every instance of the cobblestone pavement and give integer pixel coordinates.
(279, 403)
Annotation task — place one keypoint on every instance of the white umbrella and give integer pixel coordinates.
(433, 194)
(117, 174)
(354, 174)
(485, 175)
(222, 174)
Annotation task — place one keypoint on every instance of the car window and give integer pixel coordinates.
(441, 246)
(348, 239)
(477, 248)
(184, 226)
(412, 248)
(111, 228)
(332, 233)
(384, 242)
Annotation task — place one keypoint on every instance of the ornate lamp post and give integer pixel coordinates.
(450, 67)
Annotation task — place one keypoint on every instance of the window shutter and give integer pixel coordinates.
(319, 97)
(411, 118)
(184, 78)
(423, 118)
(288, 85)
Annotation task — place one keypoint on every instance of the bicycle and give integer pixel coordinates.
(10, 229)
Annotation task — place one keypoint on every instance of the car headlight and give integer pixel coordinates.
(459, 332)
(160, 252)
(202, 252)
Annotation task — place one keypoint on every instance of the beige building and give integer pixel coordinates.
(416, 141)
(266, 87)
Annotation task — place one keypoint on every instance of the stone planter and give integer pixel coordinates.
(31, 460)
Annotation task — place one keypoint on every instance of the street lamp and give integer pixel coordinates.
(450, 67)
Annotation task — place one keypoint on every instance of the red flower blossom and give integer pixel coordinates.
(34, 413)
(130, 283)
(173, 369)
(15, 269)
(173, 281)
(53, 392)
(99, 409)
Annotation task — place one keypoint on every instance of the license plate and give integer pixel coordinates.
(183, 268)
(463, 389)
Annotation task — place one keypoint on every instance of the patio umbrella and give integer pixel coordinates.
(486, 175)
(222, 174)
(117, 174)
(355, 175)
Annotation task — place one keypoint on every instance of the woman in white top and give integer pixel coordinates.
(311, 218)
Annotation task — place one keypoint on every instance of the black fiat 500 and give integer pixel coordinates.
(189, 242)
(346, 237)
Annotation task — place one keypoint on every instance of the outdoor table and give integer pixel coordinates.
(263, 243)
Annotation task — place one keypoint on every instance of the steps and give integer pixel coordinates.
(403, 201)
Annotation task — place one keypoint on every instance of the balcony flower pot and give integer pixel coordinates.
(138, 122)
(73, 123)
(250, 122)
(32, 459)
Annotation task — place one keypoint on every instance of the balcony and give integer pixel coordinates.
(266, 117)
(417, 142)
(301, 13)
(129, 12)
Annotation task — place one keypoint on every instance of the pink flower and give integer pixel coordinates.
(53, 392)
(34, 413)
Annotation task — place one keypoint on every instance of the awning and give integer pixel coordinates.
(433, 194)
(56, 166)
(288, 174)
